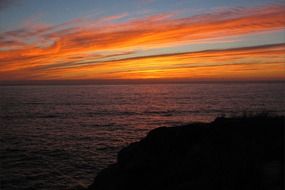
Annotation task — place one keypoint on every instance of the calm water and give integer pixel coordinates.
(59, 137)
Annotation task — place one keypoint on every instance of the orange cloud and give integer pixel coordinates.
(251, 62)
(74, 43)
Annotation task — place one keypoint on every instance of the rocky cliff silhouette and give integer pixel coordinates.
(242, 153)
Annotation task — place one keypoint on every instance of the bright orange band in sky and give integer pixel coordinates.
(108, 49)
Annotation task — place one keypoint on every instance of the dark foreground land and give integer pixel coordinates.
(244, 153)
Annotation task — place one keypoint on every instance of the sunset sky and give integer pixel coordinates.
(142, 39)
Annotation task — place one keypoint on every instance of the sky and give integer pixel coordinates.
(142, 39)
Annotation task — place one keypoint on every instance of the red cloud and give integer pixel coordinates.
(74, 41)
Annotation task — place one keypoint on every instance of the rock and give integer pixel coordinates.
(244, 153)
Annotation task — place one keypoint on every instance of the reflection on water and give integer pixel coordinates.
(58, 137)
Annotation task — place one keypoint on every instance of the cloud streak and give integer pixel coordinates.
(83, 46)
(251, 62)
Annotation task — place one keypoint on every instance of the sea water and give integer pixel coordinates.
(57, 137)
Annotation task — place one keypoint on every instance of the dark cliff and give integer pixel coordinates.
(243, 153)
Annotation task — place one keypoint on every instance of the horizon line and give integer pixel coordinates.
(131, 81)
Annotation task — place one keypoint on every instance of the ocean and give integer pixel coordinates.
(58, 137)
